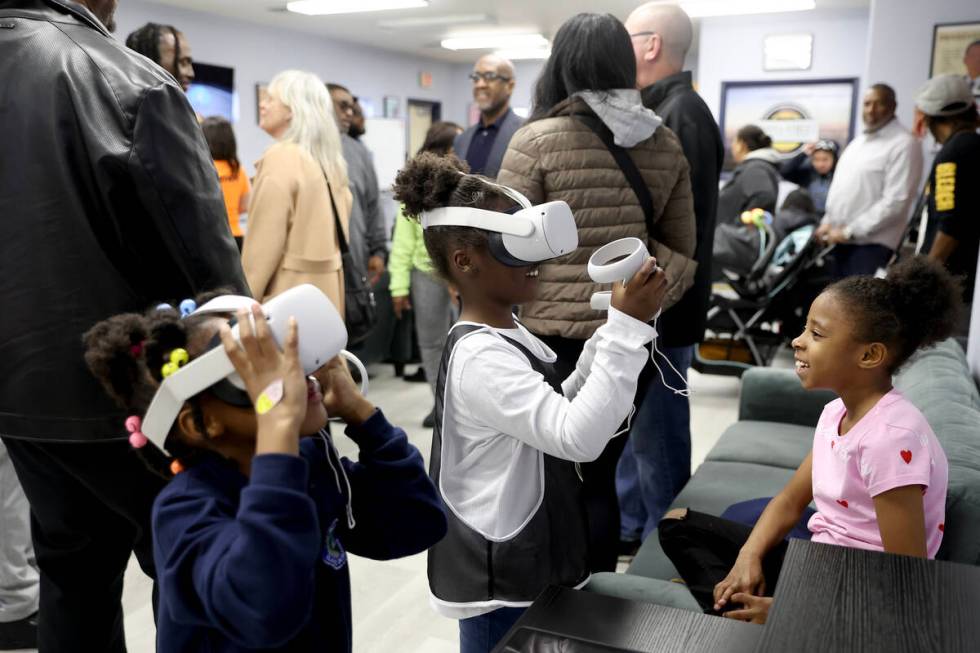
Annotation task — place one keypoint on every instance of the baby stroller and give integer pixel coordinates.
(751, 318)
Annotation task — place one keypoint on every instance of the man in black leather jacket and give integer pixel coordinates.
(109, 202)
(657, 460)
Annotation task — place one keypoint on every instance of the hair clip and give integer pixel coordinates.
(178, 358)
(187, 307)
(164, 307)
(136, 438)
(137, 349)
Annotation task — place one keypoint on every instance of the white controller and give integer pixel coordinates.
(617, 261)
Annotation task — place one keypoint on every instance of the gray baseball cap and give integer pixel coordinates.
(944, 95)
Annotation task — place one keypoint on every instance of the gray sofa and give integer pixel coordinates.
(757, 455)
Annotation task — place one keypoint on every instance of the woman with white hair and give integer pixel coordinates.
(300, 193)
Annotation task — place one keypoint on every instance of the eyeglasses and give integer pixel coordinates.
(487, 77)
(633, 36)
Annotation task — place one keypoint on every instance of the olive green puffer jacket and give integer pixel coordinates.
(560, 158)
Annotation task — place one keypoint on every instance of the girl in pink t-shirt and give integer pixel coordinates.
(877, 473)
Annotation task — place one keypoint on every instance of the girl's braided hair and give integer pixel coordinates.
(127, 352)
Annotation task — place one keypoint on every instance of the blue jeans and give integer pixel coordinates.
(480, 634)
(657, 460)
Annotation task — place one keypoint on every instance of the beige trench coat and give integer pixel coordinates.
(292, 236)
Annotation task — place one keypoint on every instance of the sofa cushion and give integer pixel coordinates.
(938, 382)
(645, 590)
(765, 443)
(775, 395)
(712, 488)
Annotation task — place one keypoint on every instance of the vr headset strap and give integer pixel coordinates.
(625, 164)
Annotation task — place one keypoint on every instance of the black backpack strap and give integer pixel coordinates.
(625, 164)
(344, 248)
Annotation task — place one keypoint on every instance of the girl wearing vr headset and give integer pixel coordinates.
(509, 430)
(250, 535)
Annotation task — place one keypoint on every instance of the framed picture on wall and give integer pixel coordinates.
(792, 112)
(949, 42)
(260, 90)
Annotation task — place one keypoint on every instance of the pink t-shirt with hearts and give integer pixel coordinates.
(890, 447)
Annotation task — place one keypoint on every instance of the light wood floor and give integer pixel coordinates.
(390, 599)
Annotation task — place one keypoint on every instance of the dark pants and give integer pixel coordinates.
(599, 476)
(704, 548)
(657, 461)
(852, 260)
(480, 634)
(90, 509)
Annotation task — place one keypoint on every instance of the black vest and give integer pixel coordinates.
(552, 549)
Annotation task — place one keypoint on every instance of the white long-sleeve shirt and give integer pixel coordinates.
(500, 416)
(875, 185)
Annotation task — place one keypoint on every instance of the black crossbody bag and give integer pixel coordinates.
(360, 307)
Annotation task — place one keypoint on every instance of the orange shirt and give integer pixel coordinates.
(234, 188)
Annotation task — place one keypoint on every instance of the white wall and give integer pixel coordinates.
(257, 53)
(731, 48)
(901, 43)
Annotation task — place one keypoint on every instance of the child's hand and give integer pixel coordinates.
(755, 609)
(745, 577)
(643, 295)
(341, 396)
(273, 378)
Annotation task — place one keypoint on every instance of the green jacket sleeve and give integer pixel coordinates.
(402, 254)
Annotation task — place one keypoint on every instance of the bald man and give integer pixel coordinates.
(657, 461)
(483, 145)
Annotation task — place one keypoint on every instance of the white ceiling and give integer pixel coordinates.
(543, 16)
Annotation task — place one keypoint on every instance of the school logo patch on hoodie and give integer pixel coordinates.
(333, 553)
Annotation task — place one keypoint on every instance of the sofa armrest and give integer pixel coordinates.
(643, 590)
(775, 395)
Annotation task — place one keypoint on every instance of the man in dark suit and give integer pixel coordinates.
(657, 461)
(483, 145)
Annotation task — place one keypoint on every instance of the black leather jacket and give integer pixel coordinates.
(109, 202)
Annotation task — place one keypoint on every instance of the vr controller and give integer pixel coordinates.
(323, 336)
(617, 261)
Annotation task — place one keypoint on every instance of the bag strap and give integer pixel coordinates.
(344, 247)
(626, 164)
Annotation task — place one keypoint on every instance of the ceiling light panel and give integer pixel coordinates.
(525, 54)
(328, 7)
(709, 8)
(493, 41)
(432, 21)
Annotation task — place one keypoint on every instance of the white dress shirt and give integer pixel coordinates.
(875, 184)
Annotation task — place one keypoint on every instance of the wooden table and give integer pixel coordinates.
(831, 598)
(591, 623)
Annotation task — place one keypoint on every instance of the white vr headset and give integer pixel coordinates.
(527, 236)
(322, 337)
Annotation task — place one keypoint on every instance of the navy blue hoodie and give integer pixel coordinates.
(259, 563)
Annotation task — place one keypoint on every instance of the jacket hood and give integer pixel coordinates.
(766, 154)
(623, 113)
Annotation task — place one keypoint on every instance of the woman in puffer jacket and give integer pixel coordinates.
(755, 184)
(590, 83)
